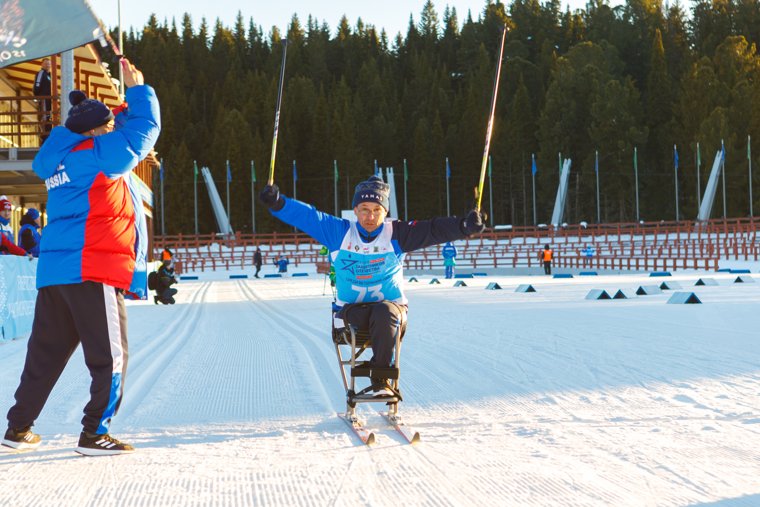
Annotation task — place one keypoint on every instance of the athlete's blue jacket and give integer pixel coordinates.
(364, 271)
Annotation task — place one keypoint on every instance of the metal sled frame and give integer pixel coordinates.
(350, 344)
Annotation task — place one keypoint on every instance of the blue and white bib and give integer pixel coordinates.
(368, 272)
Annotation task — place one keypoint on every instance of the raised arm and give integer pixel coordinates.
(419, 234)
(326, 229)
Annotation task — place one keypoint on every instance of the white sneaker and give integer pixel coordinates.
(383, 391)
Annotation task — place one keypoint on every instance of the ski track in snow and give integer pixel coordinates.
(521, 399)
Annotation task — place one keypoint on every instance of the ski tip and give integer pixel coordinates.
(415, 438)
(370, 439)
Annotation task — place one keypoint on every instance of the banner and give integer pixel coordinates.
(18, 294)
(32, 29)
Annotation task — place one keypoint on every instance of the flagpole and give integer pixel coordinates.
(490, 185)
(675, 159)
(749, 165)
(195, 193)
(636, 179)
(448, 175)
(253, 197)
(335, 185)
(228, 191)
(121, 49)
(598, 205)
(699, 186)
(406, 208)
(533, 175)
(723, 171)
(295, 179)
(161, 174)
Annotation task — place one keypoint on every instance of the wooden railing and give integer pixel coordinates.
(653, 246)
(24, 119)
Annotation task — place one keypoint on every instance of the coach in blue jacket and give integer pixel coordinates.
(93, 251)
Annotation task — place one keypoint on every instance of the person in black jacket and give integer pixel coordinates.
(166, 278)
(257, 261)
(368, 257)
(42, 89)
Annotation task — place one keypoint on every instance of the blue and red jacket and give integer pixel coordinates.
(96, 228)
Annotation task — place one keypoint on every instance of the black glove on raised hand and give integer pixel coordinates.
(270, 197)
(473, 223)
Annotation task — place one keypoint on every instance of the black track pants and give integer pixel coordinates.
(65, 315)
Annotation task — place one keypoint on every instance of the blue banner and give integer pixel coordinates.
(18, 294)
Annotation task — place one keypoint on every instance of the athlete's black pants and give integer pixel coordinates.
(548, 267)
(65, 315)
(384, 320)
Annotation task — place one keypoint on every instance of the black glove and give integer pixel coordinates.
(270, 197)
(473, 223)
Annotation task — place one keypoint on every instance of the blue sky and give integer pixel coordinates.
(393, 15)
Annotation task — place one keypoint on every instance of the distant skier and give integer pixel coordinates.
(546, 257)
(449, 253)
(368, 258)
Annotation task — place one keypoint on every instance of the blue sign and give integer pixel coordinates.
(18, 293)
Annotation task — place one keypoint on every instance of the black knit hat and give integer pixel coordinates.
(372, 190)
(86, 114)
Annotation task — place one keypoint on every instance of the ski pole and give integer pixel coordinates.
(489, 129)
(270, 181)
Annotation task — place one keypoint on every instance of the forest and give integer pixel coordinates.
(627, 93)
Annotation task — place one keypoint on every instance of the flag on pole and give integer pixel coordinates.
(161, 170)
(377, 171)
(699, 162)
(406, 173)
(253, 172)
(749, 144)
(675, 156)
(32, 30)
(448, 169)
(335, 167)
(533, 168)
(295, 172)
(490, 165)
(635, 159)
(195, 170)
(722, 152)
(229, 173)
(596, 162)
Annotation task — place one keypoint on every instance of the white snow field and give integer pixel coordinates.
(542, 398)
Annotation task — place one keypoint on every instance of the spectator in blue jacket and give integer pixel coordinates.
(368, 258)
(29, 235)
(94, 251)
(449, 259)
(282, 264)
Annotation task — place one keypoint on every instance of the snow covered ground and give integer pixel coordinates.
(539, 398)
